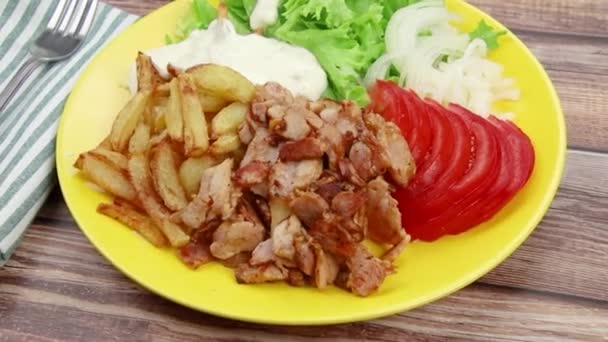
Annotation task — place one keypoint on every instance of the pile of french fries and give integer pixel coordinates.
(163, 140)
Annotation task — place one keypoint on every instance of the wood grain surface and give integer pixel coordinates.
(553, 288)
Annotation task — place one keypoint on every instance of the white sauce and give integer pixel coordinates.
(258, 58)
(265, 13)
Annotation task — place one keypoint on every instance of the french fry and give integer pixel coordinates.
(127, 120)
(159, 124)
(173, 70)
(157, 107)
(162, 89)
(229, 119)
(113, 158)
(226, 143)
(191, 170)
(139, 173)
(136, 221)
(106, 143)
(196, 135)
(210, 102)
(139, 140)
(173, 115)
(174, 233)
(148, 77)
(223, 81)
(163, 165)
(107, 176)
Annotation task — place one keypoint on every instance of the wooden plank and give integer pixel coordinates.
(580, 17)
(568, 252)
(578, 67)
(583, 97)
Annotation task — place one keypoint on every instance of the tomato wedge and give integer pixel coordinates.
(468, 168)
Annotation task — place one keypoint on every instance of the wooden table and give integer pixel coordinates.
(555, 287)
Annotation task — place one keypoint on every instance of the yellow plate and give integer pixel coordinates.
(427, 271)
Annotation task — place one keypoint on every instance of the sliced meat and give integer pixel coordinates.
(292, 126)
(347, 203)
(260, 206)
(246, 132)
(326, 268)
(268, 96)
(216, 199)
(296, 278)
(233, 238)
(393, 253)
(305, 257)
(195, 253)
(366, 272)
(356, 230)
(330, 234)
(273, 93)
(246, 211)
(276, 112)
(401, 163)
(319, 105)
(347, 170)
(362, 159)
(236, 260)
(289, 176)
(307, 148)
(383, 216)
(260, 149)
(336, 145)
(313, 120)
(283, 237)
(309, 207)
(254, 173)
(266, 273)
(262, 254)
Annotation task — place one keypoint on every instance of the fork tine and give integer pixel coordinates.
(77, 17)
(57, 15)
(67, 18)
(88, 18)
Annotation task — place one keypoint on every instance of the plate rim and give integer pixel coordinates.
(382, 311)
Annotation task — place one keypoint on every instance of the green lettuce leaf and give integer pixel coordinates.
(345, 36)
(201, 15)
(487, 33)
(239, 12)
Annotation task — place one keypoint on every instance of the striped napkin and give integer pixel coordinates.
(28, 126)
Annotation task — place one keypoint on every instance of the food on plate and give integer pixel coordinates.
(358, 42)
(468, 168)
(219, 46)
(424, 52)
(236, 157)
(277, 186)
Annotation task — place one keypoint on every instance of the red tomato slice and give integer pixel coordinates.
(456, 148)
(421, 134)
(468, 168)
(438, 158)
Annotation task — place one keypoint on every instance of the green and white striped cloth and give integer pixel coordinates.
(28, 126)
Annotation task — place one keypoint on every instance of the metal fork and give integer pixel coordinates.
(63, 35)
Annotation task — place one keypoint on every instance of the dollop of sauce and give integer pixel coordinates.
(258, 58)
(265, 13)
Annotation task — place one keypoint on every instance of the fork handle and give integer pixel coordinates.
(15, 83)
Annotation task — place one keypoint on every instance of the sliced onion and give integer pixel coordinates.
(467, 77)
